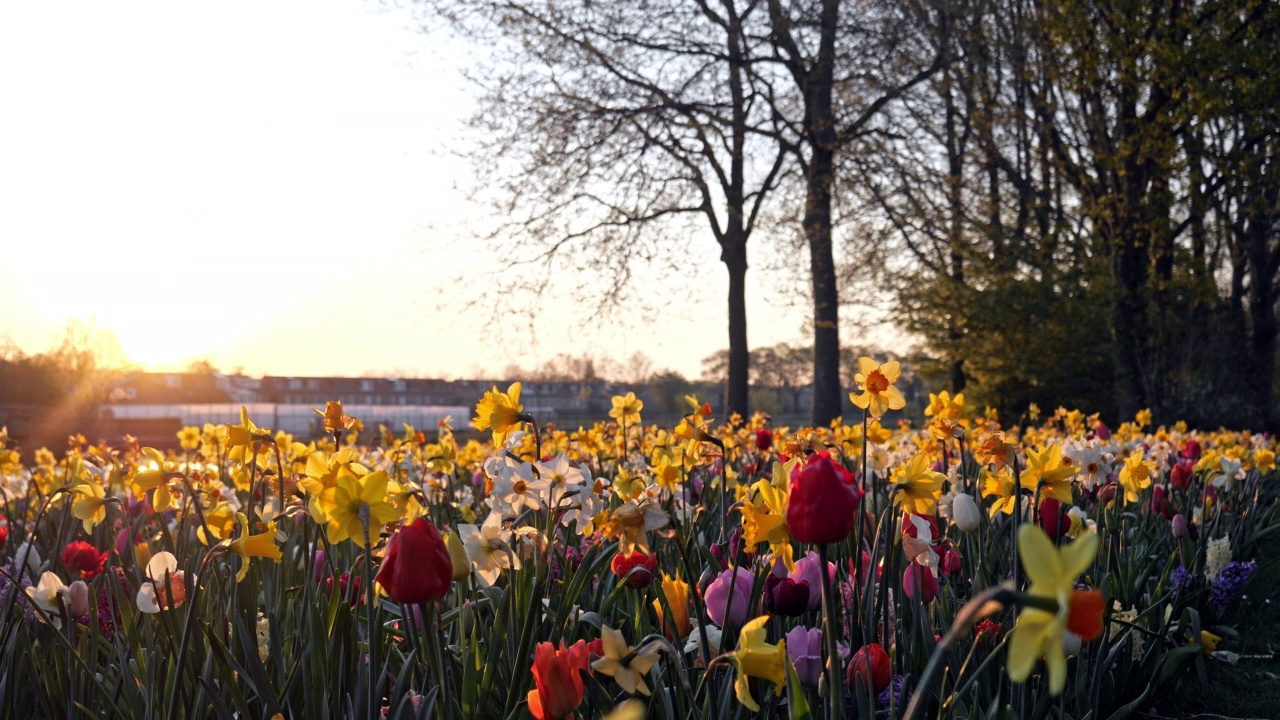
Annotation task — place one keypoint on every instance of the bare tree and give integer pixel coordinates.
(611, 130)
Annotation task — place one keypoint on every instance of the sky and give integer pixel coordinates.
(273, 187)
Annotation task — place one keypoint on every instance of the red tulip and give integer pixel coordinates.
(1055, 520)
(647, 565)
(559, 682)
(81, 557)
(950, 563)
(871, 663)
(417, 567)
(1160, 502)
(1180, 477)
(1190, 450)
(823, 501)
(764, 439)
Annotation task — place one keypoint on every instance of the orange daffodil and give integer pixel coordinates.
(876, 381)
(1039, 632)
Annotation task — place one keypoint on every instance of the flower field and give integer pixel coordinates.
(962, 567)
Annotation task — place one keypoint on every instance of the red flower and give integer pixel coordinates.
(417, 567)
(1055, 520)
(870, 663)
(4, 532)
(764, 439)
(823, 501)
(647, 565)
(1190, 450)
(1160, 502)
(1180, 477)
(84, 558)
(559, 682)
(1085, 614)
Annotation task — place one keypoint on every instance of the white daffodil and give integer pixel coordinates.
(166, 588)
(515, 487)
(489, 548)
(1094, 467)
(561, 479)
(50, 595)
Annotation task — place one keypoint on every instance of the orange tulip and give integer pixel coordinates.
(559, 682)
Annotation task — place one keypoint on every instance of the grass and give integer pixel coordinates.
(1251, 688)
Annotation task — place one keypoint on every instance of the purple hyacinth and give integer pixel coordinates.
(1231, 581)
(895, 686)
(1181, 579)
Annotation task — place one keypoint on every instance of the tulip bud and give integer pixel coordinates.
(1180, 476)
(1070, 643)
(870, 665)
(78, 593)
(950, 562)
(919, 583)
(457, 555)
(965, 513)
(1179, 526)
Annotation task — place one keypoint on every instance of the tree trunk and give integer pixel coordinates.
(737, 392)
(820, 127)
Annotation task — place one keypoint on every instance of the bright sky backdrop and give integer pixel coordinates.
(269, 185)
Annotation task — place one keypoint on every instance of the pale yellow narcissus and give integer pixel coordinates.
(917, 487)
(755, 657)
(1039, 631)
(878, 393)
(90, 505)
(625, 666)
(1003, 487)
(357, 503)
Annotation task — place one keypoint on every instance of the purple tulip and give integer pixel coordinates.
(805, 648)
(807, 570)
(717, 597)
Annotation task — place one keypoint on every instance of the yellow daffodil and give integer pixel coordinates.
(627, 667)
(153, 477)
(764, 519)
(357, 503)
(878, 393)
(755, 657)
(90, 505)
(243, 439)
(322, 479)
(251, 546)
(676, 592)
(1039, 631)
(1000, 485)
(1046, 470)
(1264, 460)
(189, 437)
(626, 409)
(500, 412)
(221, 521)
(1209, 642)
(916, 486)
(1135, 476)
